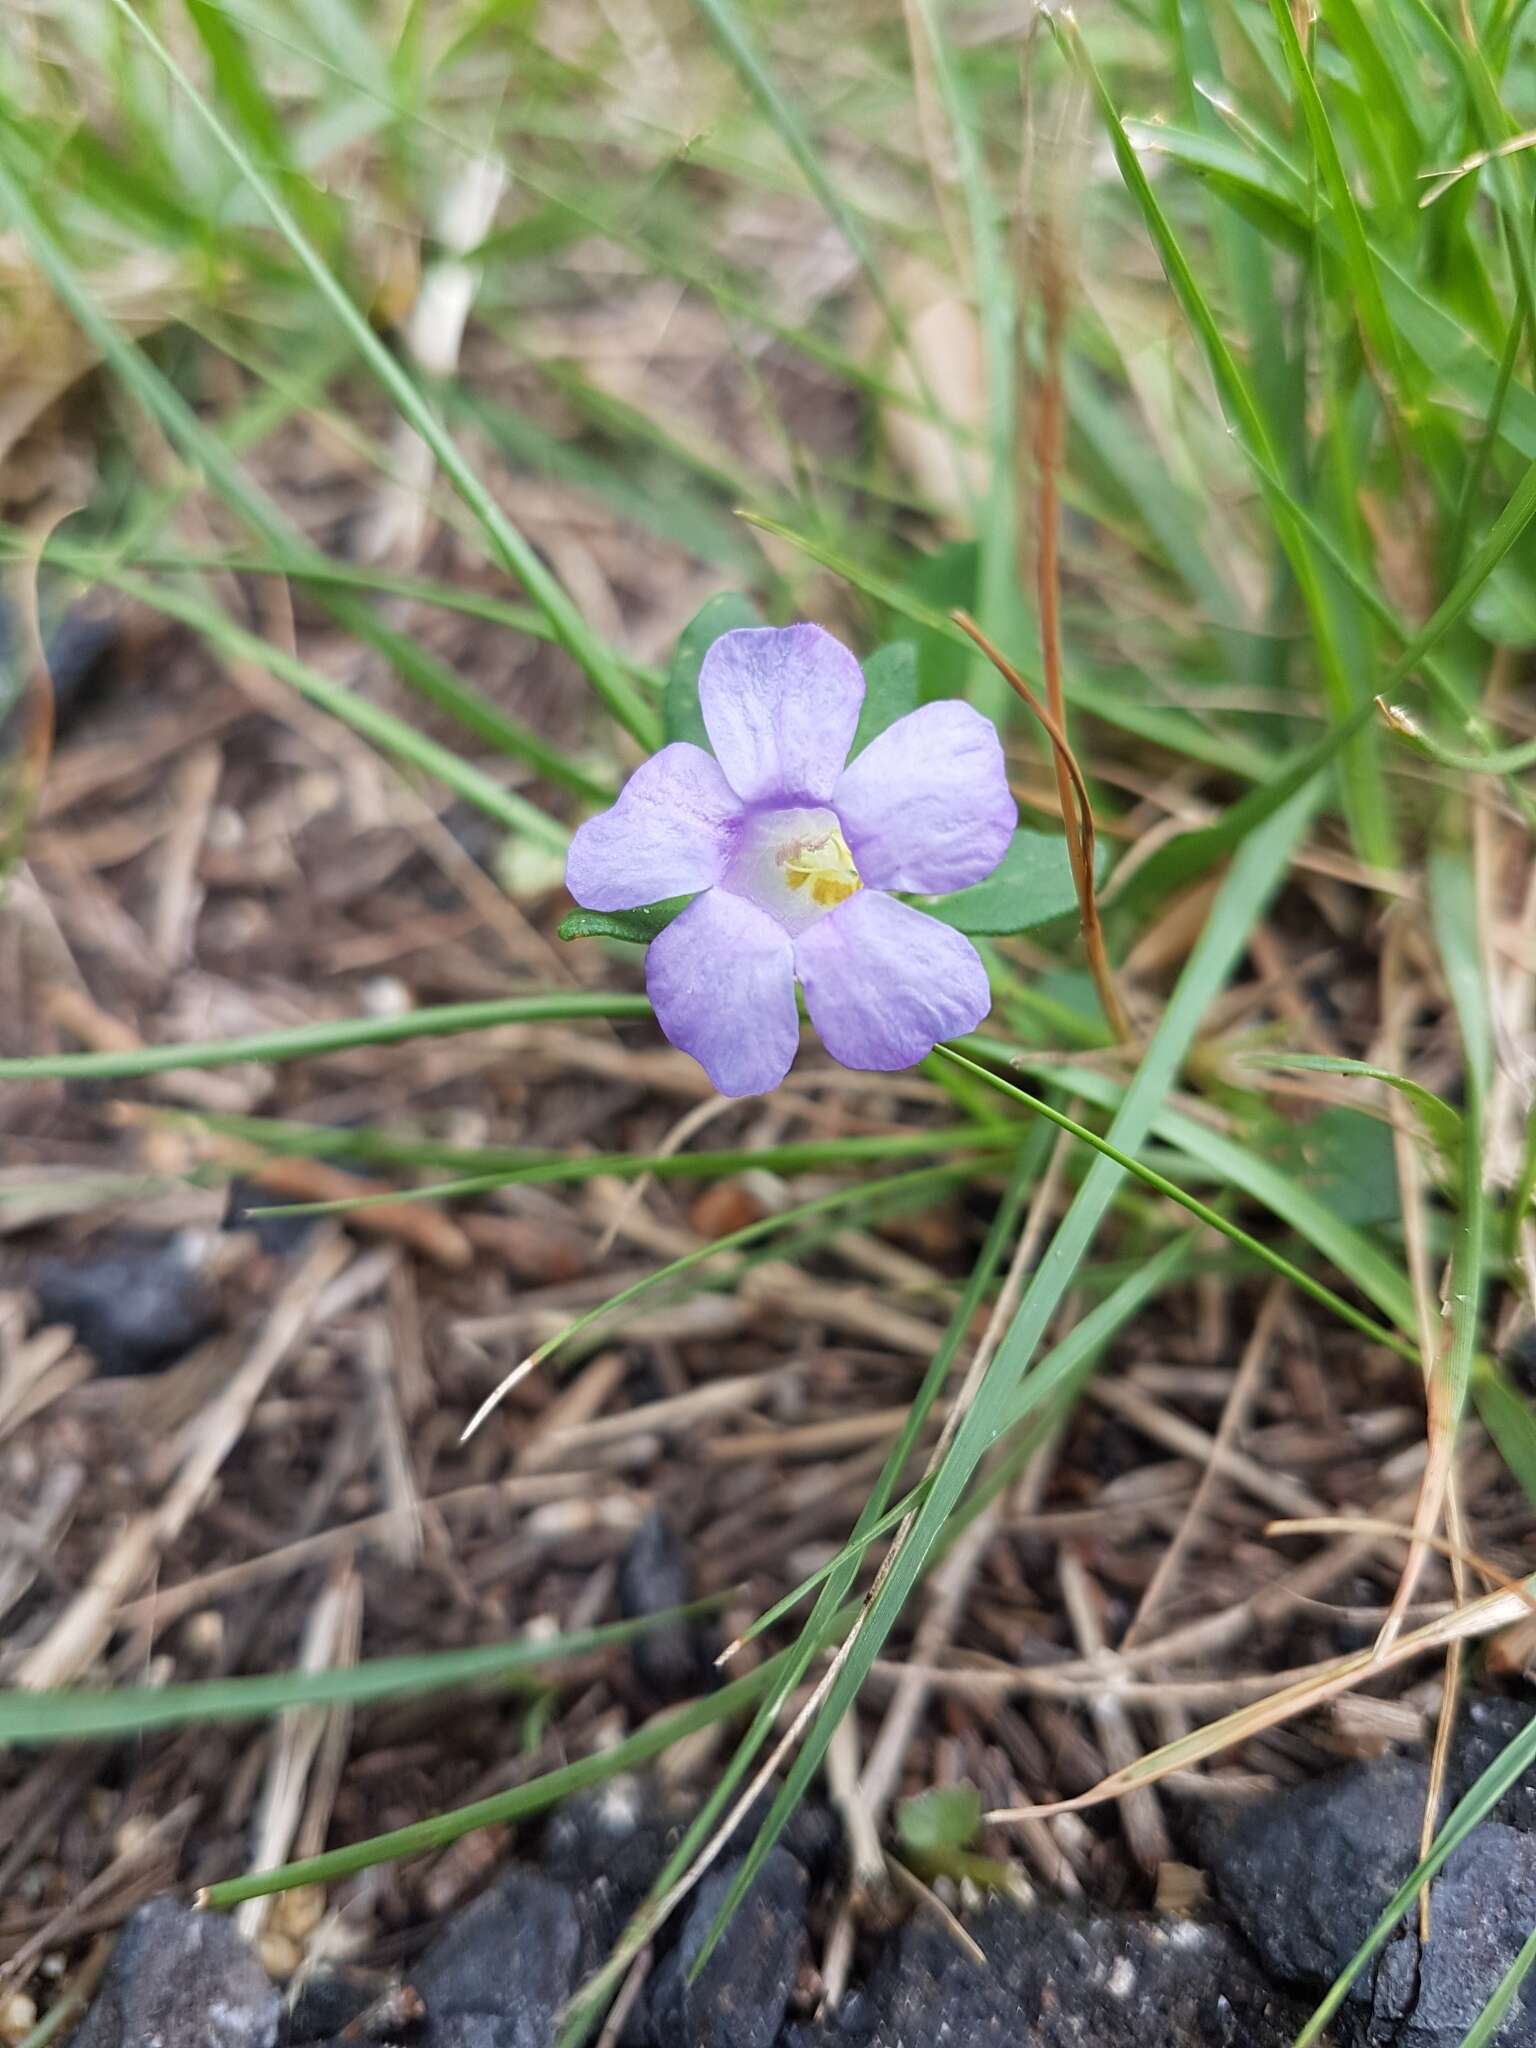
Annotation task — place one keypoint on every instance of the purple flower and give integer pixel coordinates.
(794, 848)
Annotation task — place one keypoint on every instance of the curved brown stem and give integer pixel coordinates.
(1077, 819)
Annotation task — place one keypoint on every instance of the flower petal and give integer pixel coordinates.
(780, 704)
(926, 806)
(884, 982)
(721, 979)
(672, 830)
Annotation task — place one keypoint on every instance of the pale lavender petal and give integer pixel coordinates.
(780, 704)
(926, 806)
(721, 979)
(671, 831)
(884, 983)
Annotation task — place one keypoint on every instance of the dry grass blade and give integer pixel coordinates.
(1373, 1525)
(1461, 1624)
(1081, 841)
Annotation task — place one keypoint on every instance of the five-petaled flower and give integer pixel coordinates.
(795, 849)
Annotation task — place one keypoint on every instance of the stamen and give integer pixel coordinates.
(824, 865)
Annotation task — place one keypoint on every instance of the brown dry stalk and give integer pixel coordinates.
(1376, 1525)
(1077, 817)
(36, 748)
(1478, 1618)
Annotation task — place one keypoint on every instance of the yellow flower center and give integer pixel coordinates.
(823, 867)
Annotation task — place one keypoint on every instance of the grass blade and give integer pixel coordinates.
(515, 554)
(311, 1041)
(1255, 875)
(1477, 1801)
(42, 1719)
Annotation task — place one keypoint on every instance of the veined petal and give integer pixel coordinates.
(721, 979)
(780, 704)
(671, 831)
(926, 806)
(884, 983)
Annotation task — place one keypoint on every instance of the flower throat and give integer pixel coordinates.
(824, 867)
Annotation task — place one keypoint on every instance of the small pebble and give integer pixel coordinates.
(673, 1659)
(280, 1954)
(135, 1303)
(18, 2016)
(134, 1836)
(202, 1634)
(178, 1978)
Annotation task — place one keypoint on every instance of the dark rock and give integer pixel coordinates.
(608, 1846)
(1520, 1358)
(1483, 1905)
(326, 2002)
(180, 1979)
(1308, 1872)
(674, 1659)
(813, 1835)
(135, 1303)
(1059, 1979)
(1485, 1727)
(498, 1974)
(1305, 1872)
(79, 641)
(740, 1997)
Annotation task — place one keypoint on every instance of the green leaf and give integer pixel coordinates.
(1342, 1156)
(681, 717)
(890, 691)
(947, 1817)
(1030, 885)
(638, 927)
(946, 581)
(1442, 1124)
(1509, 1419)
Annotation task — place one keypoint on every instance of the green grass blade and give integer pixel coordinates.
(1442, 1125)
(391, 735)
(1294, 1195)
(1509, 1419)
(1454, 917)
(1364, 791)
(794, 1662)
(520, 1803)
(1485, 2028)
(208, 452)
(1255, 875)
(873, 1192)
(998, 597)
(1479, 1800)
(42, 1719)
(311, 1041)
(1242, 1167)
(724, 18)
(236, 81)
(1360, 267)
